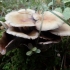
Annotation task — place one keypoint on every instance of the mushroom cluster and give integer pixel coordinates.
(27, 25)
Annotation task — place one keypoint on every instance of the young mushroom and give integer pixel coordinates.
(5, 39)
(8, 43)
(48, 20)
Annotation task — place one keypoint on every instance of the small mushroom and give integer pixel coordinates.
(5, 39)
(31, 35)
(48, 21)
(63, 30)
(20, 18)
(9, 42)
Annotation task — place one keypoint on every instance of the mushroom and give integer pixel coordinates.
(9, 42)
(21, 28)
(31, 35)
(24, 22)
(5, 39)
(63, 30)
(48, 20)
(48, 38)
(20, 18)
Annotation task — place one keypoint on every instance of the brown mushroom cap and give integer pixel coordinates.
(20, 18)
(63, 30)
(32, 35)
(48, 21)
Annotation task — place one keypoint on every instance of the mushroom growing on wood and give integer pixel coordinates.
(48, 20)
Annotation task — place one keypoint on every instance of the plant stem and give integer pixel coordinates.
(53, 4)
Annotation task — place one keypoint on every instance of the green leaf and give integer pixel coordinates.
(58, 9)
(65, 1)
(34, 49)
(50, 4)
(44, 6)
(2, 18)
(29, 53)
(66, 13)
(38, 51)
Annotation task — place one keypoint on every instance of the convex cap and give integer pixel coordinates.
(20, 18)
